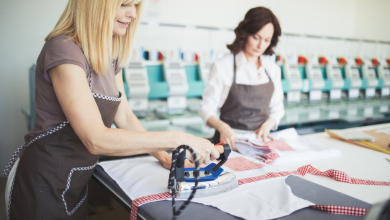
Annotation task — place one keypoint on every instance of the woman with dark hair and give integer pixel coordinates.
(246, 85)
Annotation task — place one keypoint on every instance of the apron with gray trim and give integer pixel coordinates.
(246, 106)
(54, 169)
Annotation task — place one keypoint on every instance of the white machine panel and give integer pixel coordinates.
(176, 77)
(352, 73)
(138, 104)
(293, 96)
(335, 94)
(315, 75)
(176, 102)
(137, 78)
(138, 81)
(333, 73)
(369, 74)
(384, 73)
(317, 81)
(293, 75)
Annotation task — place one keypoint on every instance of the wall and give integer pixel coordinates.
(337, 18)
(24, 24)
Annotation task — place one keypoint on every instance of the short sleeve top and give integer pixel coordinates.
(57, 51)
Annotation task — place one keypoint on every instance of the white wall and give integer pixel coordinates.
(338, 18)
(24, 25)
(372, 19)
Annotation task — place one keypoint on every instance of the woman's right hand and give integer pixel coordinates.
(228, 136)
(204, 149)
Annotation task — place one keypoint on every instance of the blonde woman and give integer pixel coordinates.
(83, 55)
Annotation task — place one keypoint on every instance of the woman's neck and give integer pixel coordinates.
(254, 59)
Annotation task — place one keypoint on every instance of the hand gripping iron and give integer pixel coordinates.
(210, 181)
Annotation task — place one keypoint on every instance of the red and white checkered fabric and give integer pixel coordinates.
(279, 145)
(241, 164)
(302, 171)
(142, 200)
(341, 210)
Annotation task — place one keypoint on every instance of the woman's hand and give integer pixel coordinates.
(167, 162)
(204, 149)
(228, 136)
(265, 128)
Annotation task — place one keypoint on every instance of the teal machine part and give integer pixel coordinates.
(285, 83)
(159, 87)
(125, 84)
(328, 82)
(380, 80)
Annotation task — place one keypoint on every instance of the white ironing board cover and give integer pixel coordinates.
(266, 199)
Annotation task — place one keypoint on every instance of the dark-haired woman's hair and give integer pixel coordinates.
(255, 19)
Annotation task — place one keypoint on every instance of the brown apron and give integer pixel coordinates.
(53, 172)
(246, 106)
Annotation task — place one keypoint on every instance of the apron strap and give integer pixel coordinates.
(234, 69)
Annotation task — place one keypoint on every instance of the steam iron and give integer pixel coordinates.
(211, 180)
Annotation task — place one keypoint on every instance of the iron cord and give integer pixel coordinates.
(173, 180)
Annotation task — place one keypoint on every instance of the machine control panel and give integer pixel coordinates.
(138, 81)
(352, 73)
(333, 72)
(314, 73)
(176, 77)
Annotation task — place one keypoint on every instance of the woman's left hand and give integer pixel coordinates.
(167, 162)
(265, 128)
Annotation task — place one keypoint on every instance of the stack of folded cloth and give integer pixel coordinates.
(287, 146)
(255, 149)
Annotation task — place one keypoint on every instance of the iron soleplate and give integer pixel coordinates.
(223, 183)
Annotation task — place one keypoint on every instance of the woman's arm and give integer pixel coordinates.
(125, 119)
(228, 135)
(73, 93)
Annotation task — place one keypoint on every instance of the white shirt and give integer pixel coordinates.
(221, 79)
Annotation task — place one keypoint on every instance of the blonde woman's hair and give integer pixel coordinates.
(90, 24)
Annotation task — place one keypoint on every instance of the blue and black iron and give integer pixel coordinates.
(211, 179)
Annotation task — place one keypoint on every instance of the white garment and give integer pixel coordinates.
(266, 199)
(305, 149)
(384, 130)
(221, 79)
(10, 181)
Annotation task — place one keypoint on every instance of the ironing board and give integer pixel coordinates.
(300, 187)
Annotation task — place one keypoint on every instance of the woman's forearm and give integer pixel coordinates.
(216, 123)
(121, 142)
(129, 121)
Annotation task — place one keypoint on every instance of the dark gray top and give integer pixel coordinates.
(57, 51)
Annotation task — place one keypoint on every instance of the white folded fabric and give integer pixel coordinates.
(305, 149)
